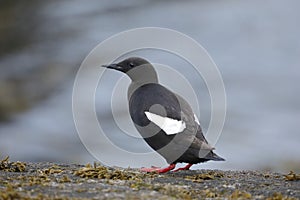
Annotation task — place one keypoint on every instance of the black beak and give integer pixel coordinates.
(113, 66)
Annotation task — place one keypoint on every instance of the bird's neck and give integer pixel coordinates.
(143, 74)
(140, 77)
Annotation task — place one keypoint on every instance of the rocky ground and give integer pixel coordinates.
(20, 180)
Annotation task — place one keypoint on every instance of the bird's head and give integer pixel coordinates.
(127, 64)
(138, 69)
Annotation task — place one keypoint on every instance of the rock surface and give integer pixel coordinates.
(71, 181)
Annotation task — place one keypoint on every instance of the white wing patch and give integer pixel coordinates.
(196, 119)
(168, 125)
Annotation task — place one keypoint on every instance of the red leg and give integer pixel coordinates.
(187, 167)
(158, 170)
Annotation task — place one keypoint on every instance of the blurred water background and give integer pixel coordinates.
(255, 44)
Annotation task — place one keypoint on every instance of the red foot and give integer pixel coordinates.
(157, 169)
(187, 167)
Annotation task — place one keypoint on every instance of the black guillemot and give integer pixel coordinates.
(164, 119)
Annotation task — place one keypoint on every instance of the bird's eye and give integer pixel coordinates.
(131, 64)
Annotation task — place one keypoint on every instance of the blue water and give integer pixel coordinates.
(255, 44)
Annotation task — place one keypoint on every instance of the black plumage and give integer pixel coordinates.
(164, 119)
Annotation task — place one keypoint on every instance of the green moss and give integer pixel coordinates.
(6, 165)
(102, 172)
(9, 193)
(54, 169)
(206, 176)
(292, 176)
(237, 194)
(279, 196)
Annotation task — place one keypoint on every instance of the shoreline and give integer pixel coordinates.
(45, 180)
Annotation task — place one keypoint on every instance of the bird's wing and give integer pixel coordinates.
(189, 117)
(188, 123)
(167, 110)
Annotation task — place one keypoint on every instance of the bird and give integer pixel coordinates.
(163, 118)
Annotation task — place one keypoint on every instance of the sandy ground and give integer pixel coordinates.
(64, 181)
